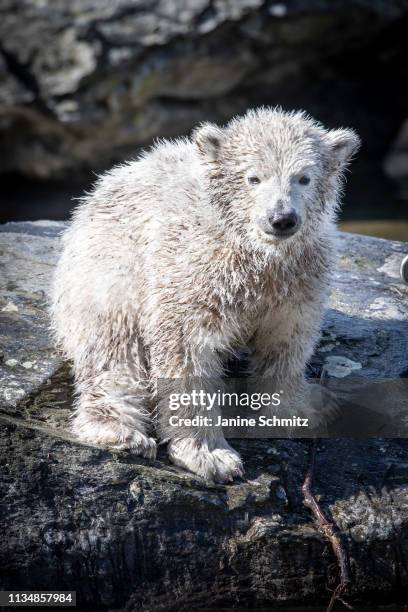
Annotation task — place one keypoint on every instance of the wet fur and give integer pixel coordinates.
(163, 272)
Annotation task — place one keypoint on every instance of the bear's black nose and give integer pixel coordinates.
(284, 223)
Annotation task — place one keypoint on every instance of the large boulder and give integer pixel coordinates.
(126, 533)
(87, 82)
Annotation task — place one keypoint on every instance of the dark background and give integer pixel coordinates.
(87, 83)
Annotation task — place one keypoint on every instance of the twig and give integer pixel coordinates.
(345, 604)
(327, 528)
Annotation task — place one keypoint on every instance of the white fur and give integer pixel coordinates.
(166, 269)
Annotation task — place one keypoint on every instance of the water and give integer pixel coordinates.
(382, 228)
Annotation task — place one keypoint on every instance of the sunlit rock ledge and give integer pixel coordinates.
(126, 533)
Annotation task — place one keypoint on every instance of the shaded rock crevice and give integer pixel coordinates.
(70, 69)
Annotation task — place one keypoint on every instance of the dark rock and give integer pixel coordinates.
(129, 534)
(396, 162)
(86, 83)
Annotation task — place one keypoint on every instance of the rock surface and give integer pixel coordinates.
(129, 534)
(87, 82)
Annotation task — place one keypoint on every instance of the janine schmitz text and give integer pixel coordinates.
(237, 421)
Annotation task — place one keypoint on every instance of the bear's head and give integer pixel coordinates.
(276, 175)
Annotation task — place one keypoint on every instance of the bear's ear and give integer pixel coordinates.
(208, 138)
(342, 144)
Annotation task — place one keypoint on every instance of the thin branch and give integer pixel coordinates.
(327, 528)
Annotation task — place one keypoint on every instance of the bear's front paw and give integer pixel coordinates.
(213, 460)
(113, 434)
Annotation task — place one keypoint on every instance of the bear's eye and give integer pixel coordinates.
(304, 180)
(254, 180)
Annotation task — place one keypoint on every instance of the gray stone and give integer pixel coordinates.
(86, 83)
(126, 533)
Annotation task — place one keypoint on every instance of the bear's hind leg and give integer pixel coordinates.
(112, 410)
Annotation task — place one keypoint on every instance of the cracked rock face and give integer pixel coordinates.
(125, 533)
(87, 83)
